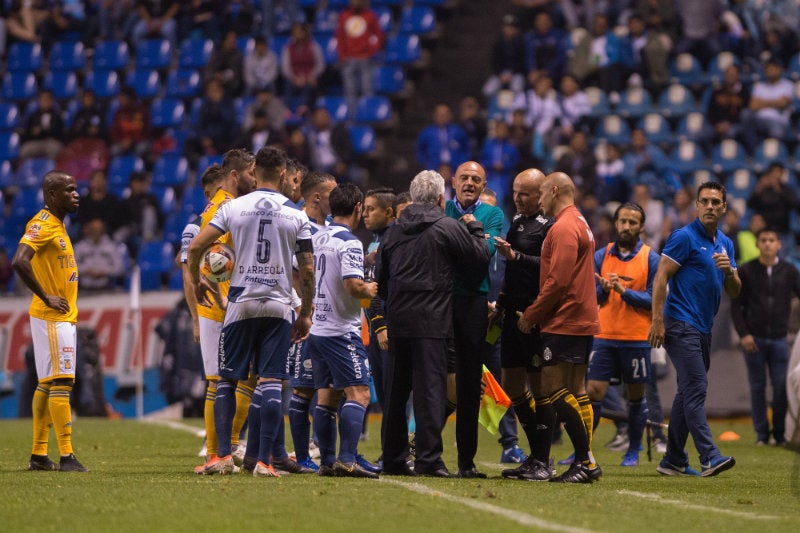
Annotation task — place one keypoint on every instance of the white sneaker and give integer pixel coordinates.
(313, 450)
(237, 452)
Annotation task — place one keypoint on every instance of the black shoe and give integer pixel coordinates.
(352, 470)
(404, 470)
(470, 473)
(285, 464)
(249, 464)
(577, 473)
(326, 471)
(439, 472)
(515, 473)
(41, 462)
(531, 470)
(70, 464)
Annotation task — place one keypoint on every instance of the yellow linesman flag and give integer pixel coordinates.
(494, 402)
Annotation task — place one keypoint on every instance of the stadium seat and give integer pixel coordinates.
(336, 106)
(173, 227)
(598, 99)
(155, 259)
(6, 176)
(325, 21)
(19, 86)
(183, 83)
(329, 49)
(374, 110)
(634, 103)
(701, 176)
(402, 49)
(67, 55)
(695, 127)
(385, 18)
(103, 83)
(419, 20)
(62, 83)
(676, 102)
(277, 43)
(793, 72)
(768, 151)
(153, 53)
(167, 113)
(240, 105)
(193, 202)
(9, 145)
(110, 55)
(614, 130)
(686, 70)
(389, 80)
(145, 82)
(206, 161)
(363, 138)
(167, 198)
(195, 53)
(171, 170)
(26, 203)
(245, 44)
(727, 156)
(657, 129)
(9, 116)
(386, 3)
(30, 171)
(686, 158)
(24, 57)
(120, 169)
(740, 183)
(719, 63)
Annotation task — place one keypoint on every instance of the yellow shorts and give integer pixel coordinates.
(54, 345)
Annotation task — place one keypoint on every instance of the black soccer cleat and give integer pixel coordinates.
(577, 473)
(70, 464)
(352, 470)
(41, 462)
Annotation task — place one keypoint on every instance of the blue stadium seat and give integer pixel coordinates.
(30, 171)
(155, 258)
(402, 49)
(9, 116)
(686, 70)
(26, 203)
(167, 113)
(171, 170)
(180, 135)
(387, 3)
(24, 57)
(153, 53)
(145, 82)
(167, 198)
(694, 127)
(598, 99)
(103, 83)
(67, 55)
(329, 49)
(195, 53)
(373, 110)
(420, 20)
(793, 72)
(686, 158)
(363, 138)
(120, 169)
(657, 129)
(389, 79)
(336, 106)
(241, 104)
(206, 161)
(110, 55)
(6, 176)
(9, 145)
(676, 102)
(245, 44)
(193, 202)
(277, 44)
(183, 83)
(719, 63)
(740, 183)
(727, 156)
(385, 18)
(62, 83)
(325, 20)
(634, 103)
(19, 86)
(767, 151)
(614, 130)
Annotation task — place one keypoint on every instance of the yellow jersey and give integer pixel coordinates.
(215, 312)
(53, 265)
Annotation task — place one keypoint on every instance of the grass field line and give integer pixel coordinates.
(519, 517)
(695, 507)
(175, 425)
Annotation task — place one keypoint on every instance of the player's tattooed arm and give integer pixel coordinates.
(305, 264)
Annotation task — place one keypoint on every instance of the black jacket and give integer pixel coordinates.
(763, 306)
(417, 261)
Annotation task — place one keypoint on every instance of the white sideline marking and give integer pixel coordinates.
(515, 516)
(176, 425)
(695, 507)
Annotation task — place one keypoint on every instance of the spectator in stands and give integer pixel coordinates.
(156, 19)
(770, 104)
(726, 106)
(654, 212)
(500, 158)
(6, 272)
(22, 24)
(646, 163)
(701, 24)
(746, 249)
(443, 142)
(776, 201)
(330, 145)
(260, 134)
(508, 59)
(302, 63)
(680, 212)
(521, 135)
(260, 68)
(113, 18)
(645, 52)
(579, 162)
(472, 121)
(359, 38)
(239, 16)
(130, 126)
(216, 128)
(44, 130)
(90, 119)
(574, 106)
(143, 214)
(597, 58)
(226, 65)
(272, 105)
(64, 19)
(99, 257)
(546, 49)
(543, 112)
(98, 202)
(297, 146)
(201, 18)
(659, 15)
(611, 183)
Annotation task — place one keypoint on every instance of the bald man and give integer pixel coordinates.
(521, 353)
(470, 318)
(566, 312)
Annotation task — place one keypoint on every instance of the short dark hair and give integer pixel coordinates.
(344, 199)
(312, 180)
(269, 163)
(211, 175)
(714, 186)
(633, 206)
(768, 229)
(383, 195)
(401, 198)
(237, 159)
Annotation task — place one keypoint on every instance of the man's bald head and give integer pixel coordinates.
(557, 192)
(469, 181)
(526, 191)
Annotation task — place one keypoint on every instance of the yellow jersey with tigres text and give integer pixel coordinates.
(215, 312)
(53, 265)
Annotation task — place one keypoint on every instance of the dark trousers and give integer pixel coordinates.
(417, 364)
(470, 321)
(377, 360)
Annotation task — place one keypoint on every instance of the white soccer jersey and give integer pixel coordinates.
(338, 255)
(265, 228)
(190, 231)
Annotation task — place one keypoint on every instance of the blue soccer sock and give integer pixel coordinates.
(637, 416)
(325, 428)
(271, 416)
(597, 411)
(279, 446)
(299, 425)
(351, 422)
(224, 410)
(254, 423)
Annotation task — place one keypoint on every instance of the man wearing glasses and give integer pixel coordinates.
(698, 262)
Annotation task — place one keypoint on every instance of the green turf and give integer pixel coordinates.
(141, 480)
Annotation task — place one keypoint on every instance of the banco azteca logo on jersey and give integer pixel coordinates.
(548, 355)
(267, 204)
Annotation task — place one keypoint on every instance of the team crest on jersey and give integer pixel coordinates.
(62, 243)
(548, 355)
(33, 231)
(307, 364)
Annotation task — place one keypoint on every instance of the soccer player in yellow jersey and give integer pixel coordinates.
(238, 178)
(45, 262)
